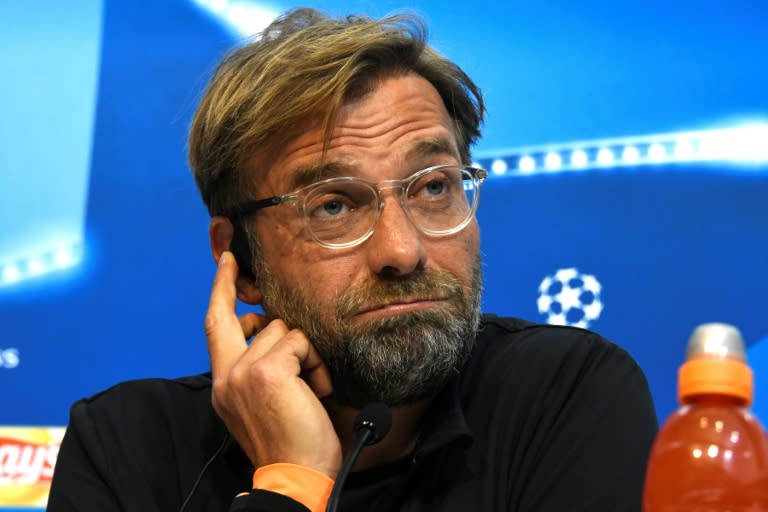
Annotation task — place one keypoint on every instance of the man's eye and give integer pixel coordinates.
(330, 208)
(435, 187)
(430, 189)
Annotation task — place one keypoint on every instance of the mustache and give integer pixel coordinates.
(422, 284)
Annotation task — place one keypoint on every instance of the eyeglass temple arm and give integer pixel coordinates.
(258, 204)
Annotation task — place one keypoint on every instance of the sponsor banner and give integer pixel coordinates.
(27, 458)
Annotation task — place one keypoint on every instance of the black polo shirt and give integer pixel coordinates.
(541, 418)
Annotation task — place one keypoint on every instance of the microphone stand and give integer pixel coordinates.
(371, 425)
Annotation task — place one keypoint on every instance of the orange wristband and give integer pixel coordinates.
(309, 487)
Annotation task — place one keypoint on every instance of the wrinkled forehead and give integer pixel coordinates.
(306, 152)
(422, 151)
(317, 120)
(420, 154)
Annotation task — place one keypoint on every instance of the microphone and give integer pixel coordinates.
(370, 427)
(373, 422)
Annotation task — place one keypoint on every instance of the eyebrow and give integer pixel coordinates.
(308, 174)
(434, 146)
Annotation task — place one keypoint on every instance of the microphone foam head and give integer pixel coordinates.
(377, 418)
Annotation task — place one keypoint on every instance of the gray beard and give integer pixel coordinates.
(398, 360)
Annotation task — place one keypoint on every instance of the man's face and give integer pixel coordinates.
(394, 317)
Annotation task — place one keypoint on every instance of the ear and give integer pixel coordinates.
(221, 233)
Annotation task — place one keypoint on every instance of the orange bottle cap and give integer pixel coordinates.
(715, 376)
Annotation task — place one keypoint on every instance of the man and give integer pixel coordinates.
(332, 155)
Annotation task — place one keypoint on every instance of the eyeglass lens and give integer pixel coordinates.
(345, 210)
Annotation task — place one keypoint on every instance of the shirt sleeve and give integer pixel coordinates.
(97, 469)
(78, 483)
(305, 485)
(260, 500)
(597, 424)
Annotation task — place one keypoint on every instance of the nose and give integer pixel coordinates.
(396, 246)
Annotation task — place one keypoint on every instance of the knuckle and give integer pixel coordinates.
(261, 373)
(238, 376)
(292, 336)
(278, 325)
(247, 375)
(297, 339)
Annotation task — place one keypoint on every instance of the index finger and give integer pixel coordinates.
(226, 341)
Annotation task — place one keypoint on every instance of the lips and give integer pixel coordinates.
(401, 306)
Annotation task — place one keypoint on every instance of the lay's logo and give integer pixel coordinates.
(27, 458)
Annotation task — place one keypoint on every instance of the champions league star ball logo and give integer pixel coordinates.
(570, 298)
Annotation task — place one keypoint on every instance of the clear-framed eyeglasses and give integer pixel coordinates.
(343, 212)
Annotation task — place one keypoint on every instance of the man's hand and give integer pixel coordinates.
(267, 393)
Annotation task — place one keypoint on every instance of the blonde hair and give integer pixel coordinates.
(305, 66)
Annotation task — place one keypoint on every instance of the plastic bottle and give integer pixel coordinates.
(711, 455)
